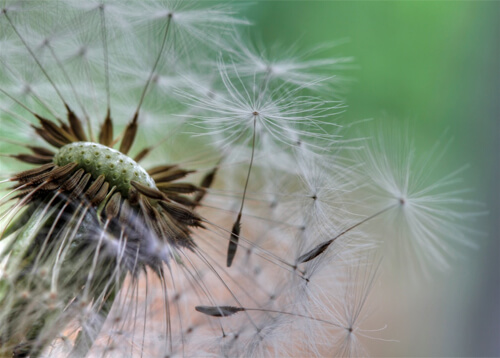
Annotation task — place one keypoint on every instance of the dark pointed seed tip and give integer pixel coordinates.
(32, 159)
(78, 190)
(200, 225)
(171, 175)
(129, 136)
(75, 124)
(181, 188)
(41, 150)
(161, 168)
(147, 191)
(142, 154)
(315, 252)
(70, 183)
(100, 195)
(40, 118)
(33, 172)
(94, 187)
(236, 227)
(113, 206)
(233, 242)
(219, 311)
(106, 132)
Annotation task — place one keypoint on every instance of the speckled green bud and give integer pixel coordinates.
(98, 159)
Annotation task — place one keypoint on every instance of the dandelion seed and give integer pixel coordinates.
(428, 216)
(285, 116)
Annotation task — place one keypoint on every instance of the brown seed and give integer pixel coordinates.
(315, 252)
(233, 241)
(142, 154)
(61, 172)
(219, 311)
(41, 151)
(33, 159)
(113, 206)
(76, 125)
(55, 174)
(33, 172)
(205, 183)
(161, 168)
(147, 191)
(101, 194)
(129, 136)
(180, 213)
(48, 137)
(181, 188)
(106, 134)
(171, 175)
(77, 192)
(73, 181)
(182, 200)
(56, 131)
(94, 187)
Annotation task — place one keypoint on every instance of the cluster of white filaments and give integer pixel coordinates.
(266, 251)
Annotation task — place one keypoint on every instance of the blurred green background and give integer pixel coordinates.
(435, 65)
